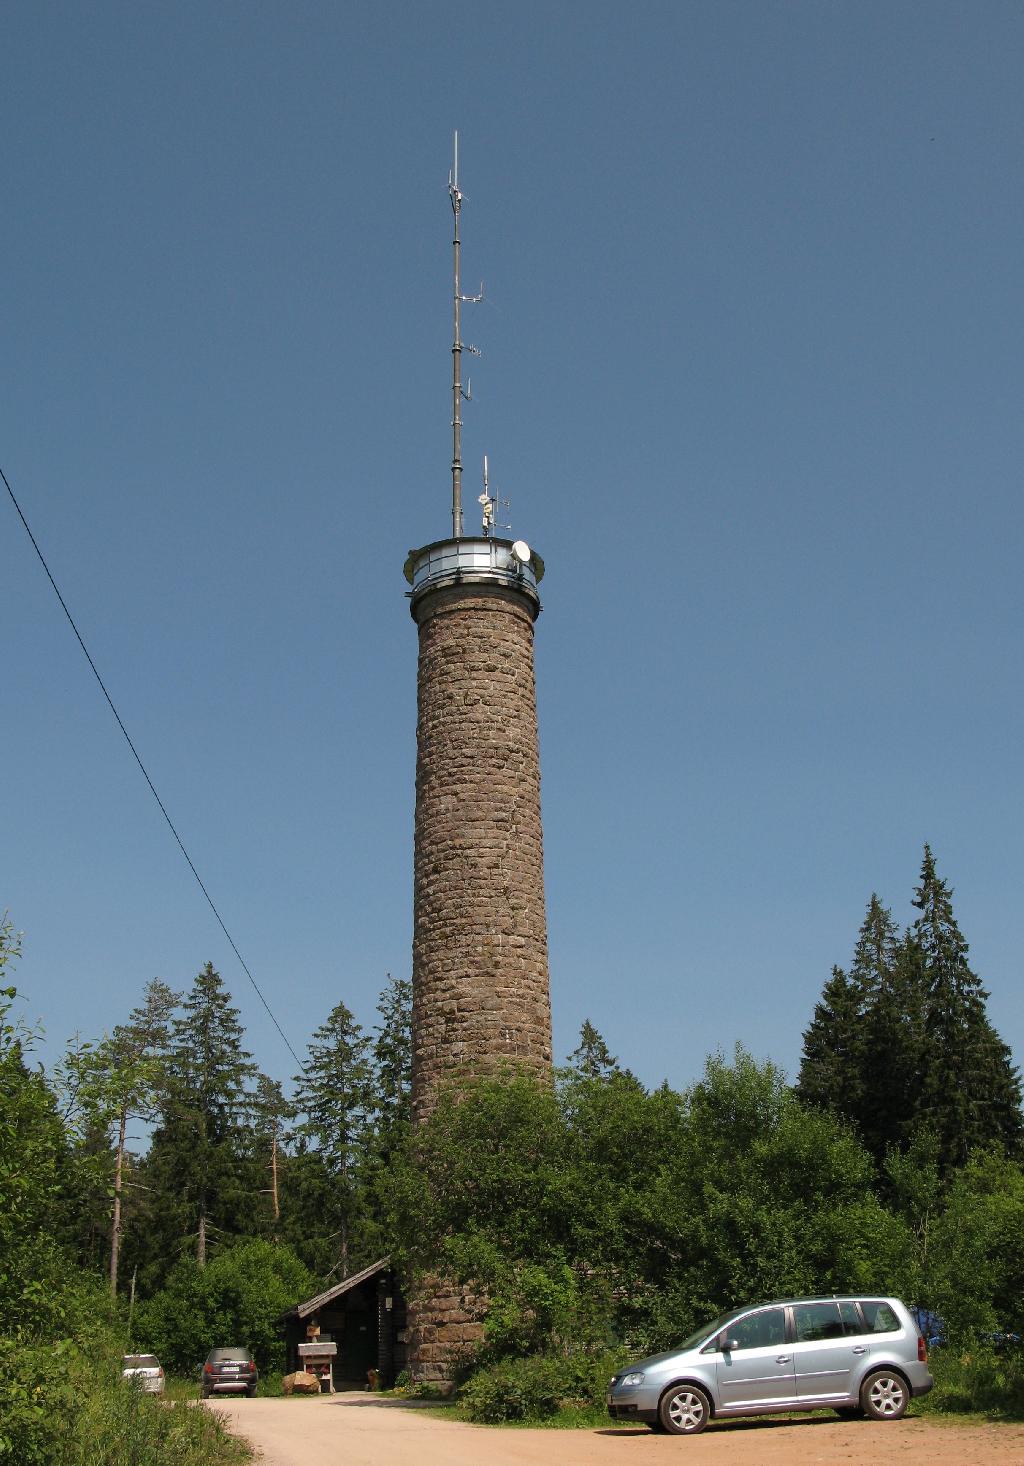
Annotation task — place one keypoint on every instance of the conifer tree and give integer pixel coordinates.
(892, 1050)
(830, 1069)
(334, 1093)
(592, 1059)
(902, 1046)
(840, 1070)
(391, 1086)
(970, 1089)
(200, 1158)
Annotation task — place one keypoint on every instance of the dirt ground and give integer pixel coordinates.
(364, 1430)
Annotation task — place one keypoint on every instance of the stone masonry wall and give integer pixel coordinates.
(445, 1328)
(481, 995)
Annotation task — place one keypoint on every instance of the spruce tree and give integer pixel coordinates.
(838, 1067)
(970, 1092)
(592, 1059)
(830, 1068)
(334, 1093)
(892, 1048)
(200, 1158)
(390, 1095)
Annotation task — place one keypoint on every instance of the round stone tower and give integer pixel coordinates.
(481, 995)
(481, 999)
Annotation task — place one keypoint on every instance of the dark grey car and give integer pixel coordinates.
(228, 1371)
(859, 1355)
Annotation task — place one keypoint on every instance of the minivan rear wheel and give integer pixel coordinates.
(684, 1410)
(884, 1395)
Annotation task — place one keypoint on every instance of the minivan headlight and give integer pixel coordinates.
(635, 1377)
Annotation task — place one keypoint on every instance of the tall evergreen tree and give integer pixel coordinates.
(200, 1159)
(390, 1095)
(334, 1093)
(901, 1044)
(592, 1058)
(874, 956)
(830, 1068)
(839, 1070)
(971, 1091)
(890, 1078)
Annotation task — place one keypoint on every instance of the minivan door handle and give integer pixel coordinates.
(859, 1349)
(783, 1359)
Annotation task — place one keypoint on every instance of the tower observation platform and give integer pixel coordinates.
(486, 561)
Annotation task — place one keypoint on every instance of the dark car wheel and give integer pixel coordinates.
(251, 1391)
(884, 1395)
(684, 1410)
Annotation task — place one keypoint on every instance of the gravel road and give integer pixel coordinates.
(364, 1430)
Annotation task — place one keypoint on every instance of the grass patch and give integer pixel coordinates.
(67, 1405)
(122, 1426)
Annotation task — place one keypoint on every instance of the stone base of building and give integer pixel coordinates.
(445, 1329)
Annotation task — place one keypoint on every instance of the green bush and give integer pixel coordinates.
(37, 1402)
(538, 1388)
(976, 1381)
(236, 1299)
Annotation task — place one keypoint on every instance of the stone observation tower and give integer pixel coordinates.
(480, 964)
(481, 996)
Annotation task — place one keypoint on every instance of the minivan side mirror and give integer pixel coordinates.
(727, 1345)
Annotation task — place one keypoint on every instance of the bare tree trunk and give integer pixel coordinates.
(344, 1220)
(275, 1203)
(201, 1241)
(115, 1227)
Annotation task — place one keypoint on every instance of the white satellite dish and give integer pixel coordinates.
(521, 550)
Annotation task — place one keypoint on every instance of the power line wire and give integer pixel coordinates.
(145, 775)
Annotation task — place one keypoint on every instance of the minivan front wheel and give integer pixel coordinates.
(684, 1410)
(884, 1395)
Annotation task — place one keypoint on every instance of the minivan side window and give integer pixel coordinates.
(762, 1330)
(816, 1322)
(880, 1318)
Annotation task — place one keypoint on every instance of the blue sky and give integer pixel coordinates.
(751, 380)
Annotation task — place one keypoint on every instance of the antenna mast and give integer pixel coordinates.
(457, 346)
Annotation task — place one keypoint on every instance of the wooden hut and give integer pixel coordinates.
(364, 1317)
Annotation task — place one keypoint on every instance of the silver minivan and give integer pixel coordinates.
(858, 1355)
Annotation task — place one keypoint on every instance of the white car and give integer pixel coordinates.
(144, 1371)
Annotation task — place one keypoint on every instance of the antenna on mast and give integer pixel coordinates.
(458, 392)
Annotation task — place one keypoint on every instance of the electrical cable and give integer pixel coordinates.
(145, 775)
